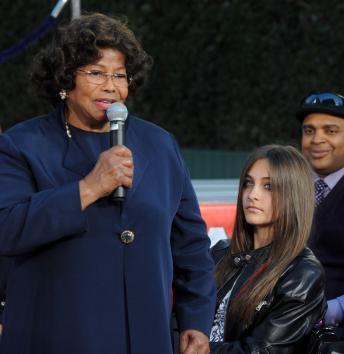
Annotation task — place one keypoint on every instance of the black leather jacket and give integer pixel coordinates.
(286, 316)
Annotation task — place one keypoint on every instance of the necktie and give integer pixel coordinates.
(320, 189)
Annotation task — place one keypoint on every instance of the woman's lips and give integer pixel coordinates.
(103, 104)
(253, 209)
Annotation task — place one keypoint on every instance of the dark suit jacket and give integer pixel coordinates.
(75, 288)
(5, 264)
(327, 239)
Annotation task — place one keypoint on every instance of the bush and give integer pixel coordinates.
(227, 74)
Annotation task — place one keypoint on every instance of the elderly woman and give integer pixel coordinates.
(91, 276)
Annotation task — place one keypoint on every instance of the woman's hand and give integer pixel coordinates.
(193, 342)
(114, 168)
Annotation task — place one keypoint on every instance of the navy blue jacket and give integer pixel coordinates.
(74, 287)
(327, 239)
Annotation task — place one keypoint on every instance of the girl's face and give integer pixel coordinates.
(257, 195)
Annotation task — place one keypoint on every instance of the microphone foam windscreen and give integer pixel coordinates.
(117, 112)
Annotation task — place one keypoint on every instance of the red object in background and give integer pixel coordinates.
(219, 215)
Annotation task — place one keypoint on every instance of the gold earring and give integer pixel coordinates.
(63, 94)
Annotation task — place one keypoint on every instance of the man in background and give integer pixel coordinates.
(4, 268)
(322, 117)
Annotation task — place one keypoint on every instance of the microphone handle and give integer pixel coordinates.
(117, 138)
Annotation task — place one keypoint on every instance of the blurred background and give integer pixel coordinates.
(228, 74)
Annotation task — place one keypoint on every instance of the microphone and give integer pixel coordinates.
(117, 114)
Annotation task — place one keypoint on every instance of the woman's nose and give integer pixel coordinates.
(253, 194)
(109, 85)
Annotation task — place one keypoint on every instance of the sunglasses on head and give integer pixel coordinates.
(327, 99)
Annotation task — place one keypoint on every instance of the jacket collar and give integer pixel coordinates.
(252, 256)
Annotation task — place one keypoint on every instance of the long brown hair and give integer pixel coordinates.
(293, 206)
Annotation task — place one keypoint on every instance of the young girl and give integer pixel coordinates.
(270, 286)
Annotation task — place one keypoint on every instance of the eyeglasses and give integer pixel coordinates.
(327, 99)
(98, 77)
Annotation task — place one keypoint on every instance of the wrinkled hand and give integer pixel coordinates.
(114, 168)
(193, 342)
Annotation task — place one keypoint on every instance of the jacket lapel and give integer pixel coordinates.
(140, 155)
(75, 159)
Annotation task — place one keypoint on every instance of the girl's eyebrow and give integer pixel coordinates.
(249, 176)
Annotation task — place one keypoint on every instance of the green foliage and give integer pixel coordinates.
(228, 74)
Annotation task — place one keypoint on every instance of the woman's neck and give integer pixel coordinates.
(96, 128)
(90, 125)
(262, 236)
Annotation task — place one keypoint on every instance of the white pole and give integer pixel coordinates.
(58, 8)
(76, 8)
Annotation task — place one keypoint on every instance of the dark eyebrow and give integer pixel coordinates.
(326, 126)
(104, 68)
(248, 176)
(331, 126)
